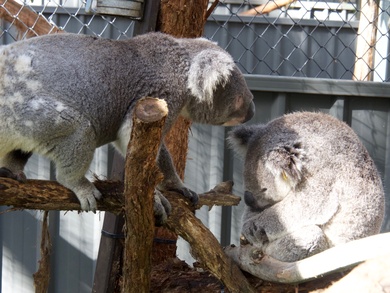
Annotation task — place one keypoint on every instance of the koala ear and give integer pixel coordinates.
(208, 69)
(286, 164)
(239, 137)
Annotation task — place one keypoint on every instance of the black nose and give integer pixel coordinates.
(251, 112)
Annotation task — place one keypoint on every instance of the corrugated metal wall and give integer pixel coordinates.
(76, 237)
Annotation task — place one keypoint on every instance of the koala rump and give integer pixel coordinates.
(310, 185)
(64, 95)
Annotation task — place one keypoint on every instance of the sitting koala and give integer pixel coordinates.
(310, 183)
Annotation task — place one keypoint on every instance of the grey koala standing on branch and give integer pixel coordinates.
(310, 185)
(64, 95)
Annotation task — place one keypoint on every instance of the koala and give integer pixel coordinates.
(310, 185)
(64, 95)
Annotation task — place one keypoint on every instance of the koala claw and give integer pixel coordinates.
(243, 240)
(88, 202)
(254, 234)
(7, 173)
(188, 193)
(162, 208)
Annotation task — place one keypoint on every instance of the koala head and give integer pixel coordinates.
(220, 93)
(273, 163)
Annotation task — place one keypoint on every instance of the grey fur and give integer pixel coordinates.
(310, 183)
(64, 95)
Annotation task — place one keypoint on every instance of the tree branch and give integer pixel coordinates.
(141, 177)
(50, 195)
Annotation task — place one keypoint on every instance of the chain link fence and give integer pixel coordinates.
(306, 38)
(322, 39)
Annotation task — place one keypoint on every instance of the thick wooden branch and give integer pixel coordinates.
(141, 177)
(370, 276)
(204, 246)
(49, 195)
(335, 259)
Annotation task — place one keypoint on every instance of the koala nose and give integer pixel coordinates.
(250, 113)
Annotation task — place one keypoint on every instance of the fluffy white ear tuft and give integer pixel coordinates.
(239, 137)
(208, 69)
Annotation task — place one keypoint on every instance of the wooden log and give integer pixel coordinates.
(141, 178)
(337, 258)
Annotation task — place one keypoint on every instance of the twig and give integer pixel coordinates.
(267, 7)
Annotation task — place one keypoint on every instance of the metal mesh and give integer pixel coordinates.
(68, 16)
(296, 38)
(303, 38)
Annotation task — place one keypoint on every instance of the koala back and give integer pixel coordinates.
(306, 169)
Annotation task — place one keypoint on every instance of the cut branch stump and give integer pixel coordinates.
(141, 178)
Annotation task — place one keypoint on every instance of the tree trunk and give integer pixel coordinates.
(179, 18)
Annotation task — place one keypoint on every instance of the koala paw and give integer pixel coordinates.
(6, 173)
(253, 234)
(187, 193)
(88, 199)
(162, 208)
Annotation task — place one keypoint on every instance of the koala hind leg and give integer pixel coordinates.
(12, 165)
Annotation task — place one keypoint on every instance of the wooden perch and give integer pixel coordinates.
(370, 276)
(335, 259)
(27, 21)
(204, 246)
(267, 7)
(141, 178)
(49, 195)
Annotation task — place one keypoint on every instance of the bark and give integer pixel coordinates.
(205, 247)
(335, 259)
(50, 195)
(141, 177)
(27, 21)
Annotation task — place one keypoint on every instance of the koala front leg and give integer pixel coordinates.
(298, 245)
(171, 181)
